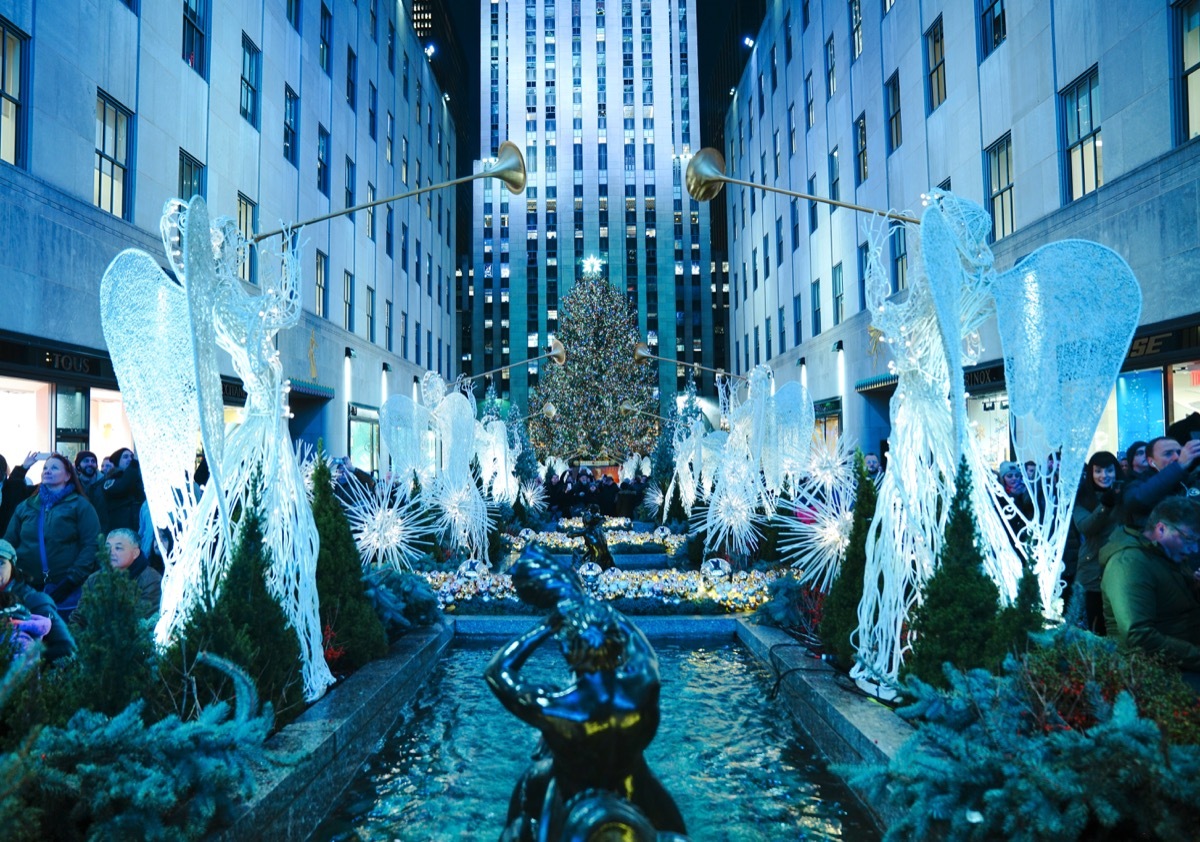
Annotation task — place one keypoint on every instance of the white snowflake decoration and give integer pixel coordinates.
(386, 523)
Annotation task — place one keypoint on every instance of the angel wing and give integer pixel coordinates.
(144, 316)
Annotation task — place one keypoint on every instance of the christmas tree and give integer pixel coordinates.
(956, 620)
(840, 619)
(599, 333)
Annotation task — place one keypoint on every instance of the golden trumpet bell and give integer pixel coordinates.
(705, 174)
(641, 353)
(509, 167)
(558, 353)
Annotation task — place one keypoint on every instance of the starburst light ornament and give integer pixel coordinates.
(817, 520)
(386, 522)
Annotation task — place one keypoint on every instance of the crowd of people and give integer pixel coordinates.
(49, 553)
(578, 489)
(1134, 551)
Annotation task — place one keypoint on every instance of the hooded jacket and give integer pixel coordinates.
(1148, 599)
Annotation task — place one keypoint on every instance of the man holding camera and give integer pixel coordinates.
(1171, 472)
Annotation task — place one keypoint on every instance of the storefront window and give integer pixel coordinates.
(109, 424)
(988, 416)
(1185, 390)
(24, 421)
(364, 438)
(1140, 405)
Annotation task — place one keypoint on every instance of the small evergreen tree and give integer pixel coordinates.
(116, 663)
(1015, 623)
(348, 622)
(956, 619)
(244, 625)
(839, 620)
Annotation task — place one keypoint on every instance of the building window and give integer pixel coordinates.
(992, 30)
(323, 50)
(757, 347)
(899, 258)
(195, 25)
(766, 251)
(372, 106)
(835, 179)
(839, 296)
(348, 301)
(856, 35)
(767, 333)
(321, 300)
(352, 80)
(791, 129)
(787, 38)
(404, 246)
(935, 61)
(350, 173)
(404, 334)
(753, 268)
(291, 126)
(404, 159)
(387, 142)
(191, 176)
(782, 331)
(864, 257)
(371, 314)
(815, 293)
(805, 15)
(389, 231)
(391, 47)
(251, 74)
(12, 94)
(1081, 113)
(1000, 186)
(417, 344)
(887, 5)
(812, 206)
(810, 109)
(895, 124)
(248, 226)
(797, 320)
(1189, 29)
(387, 326)
(860, 149)
(830, 69)
(112, 155)
(323, 161)
(370, 211)
(779, 240)
(795, 207)
(293, 14)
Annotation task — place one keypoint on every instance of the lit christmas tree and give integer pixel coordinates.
(599, 333)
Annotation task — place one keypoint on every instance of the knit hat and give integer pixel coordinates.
(7, 550)
(83, 454)
(1005, 467)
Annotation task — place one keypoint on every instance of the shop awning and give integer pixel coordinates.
(870, 384)
(313, 390)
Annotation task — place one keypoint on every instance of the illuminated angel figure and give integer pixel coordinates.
(946, 303)
(462, 511)
(163, 337)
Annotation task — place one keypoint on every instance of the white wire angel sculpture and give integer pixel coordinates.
(163, 338)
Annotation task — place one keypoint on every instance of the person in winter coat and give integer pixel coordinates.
(125, 555)
(119, 496)
(31, 613)
(14, 489)
(1095, 517)
(54, 533)
(1149, 601)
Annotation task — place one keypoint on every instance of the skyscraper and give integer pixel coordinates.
(625, 118)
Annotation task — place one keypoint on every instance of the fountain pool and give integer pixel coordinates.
(733, 759)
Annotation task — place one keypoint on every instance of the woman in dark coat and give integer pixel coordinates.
(1095, 517)
(119, 496)
(54, 533)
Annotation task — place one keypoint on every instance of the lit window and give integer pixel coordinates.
(112, 156)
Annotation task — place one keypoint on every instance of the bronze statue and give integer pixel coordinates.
(595, 543)
(589, 770)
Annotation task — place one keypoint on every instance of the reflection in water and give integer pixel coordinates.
(734, 762)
